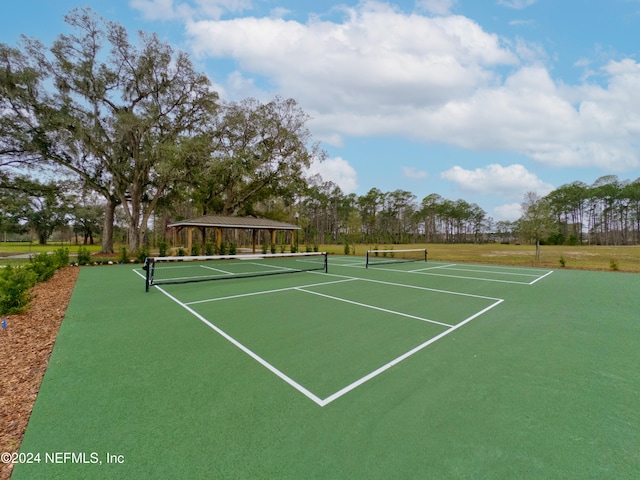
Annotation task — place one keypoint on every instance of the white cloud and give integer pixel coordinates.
(437, 7)
(172, 9)
(442, 79)
(414, 173)
(155, 9)
(280, 12)
(377, 62)
(338, 171)
(516, 4)
(509, 212)
(513, 181)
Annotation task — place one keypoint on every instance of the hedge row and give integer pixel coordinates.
(17, 282)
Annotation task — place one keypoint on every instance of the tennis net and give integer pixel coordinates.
(378, 257)
(171, 270)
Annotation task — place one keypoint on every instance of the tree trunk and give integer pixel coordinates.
(107, 231)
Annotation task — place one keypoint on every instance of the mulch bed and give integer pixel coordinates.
(25, 348)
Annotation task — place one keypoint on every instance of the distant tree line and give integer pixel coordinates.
(604, 213)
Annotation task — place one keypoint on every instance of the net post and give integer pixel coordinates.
(326, 263)
(425, 254)
(366, 265)
(147, 269)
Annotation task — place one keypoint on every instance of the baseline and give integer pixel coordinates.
(430, 271)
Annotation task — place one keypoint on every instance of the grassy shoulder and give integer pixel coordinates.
(602, 258)
(585, 257)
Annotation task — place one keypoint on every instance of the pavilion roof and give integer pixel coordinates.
(222, 221)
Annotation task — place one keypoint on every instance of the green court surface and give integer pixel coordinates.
(413, 370)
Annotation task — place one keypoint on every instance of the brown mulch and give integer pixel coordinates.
(25, 348)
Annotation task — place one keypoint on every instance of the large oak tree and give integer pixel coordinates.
(121, 116)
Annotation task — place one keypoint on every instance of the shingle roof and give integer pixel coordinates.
(234, 222)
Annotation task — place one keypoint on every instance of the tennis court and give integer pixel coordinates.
(390, 370)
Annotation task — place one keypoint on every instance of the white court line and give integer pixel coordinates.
(207, 267)
(253, 355)
(373, 307)
(416, 287)
(399, 359)
(543, 276)
(357, 383)
(493, 272)
(422, 271)
(251, 294)
(462, 277)
(433, 268)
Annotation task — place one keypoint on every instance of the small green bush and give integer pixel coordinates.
(124, 257)
(62, 257)
(233, 249)
(15, 284)
(614, 265)
(142, 255)
(563, 262)
(163, 246)
(84, 256)
(43, 265)
(209, 248)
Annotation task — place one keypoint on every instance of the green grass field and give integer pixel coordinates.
(414, 370)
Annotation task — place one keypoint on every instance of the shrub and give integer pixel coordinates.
(84, 256)
(163, 245)
(232, 249)
(209, 248)
(43, 265)
(62, 257)
(346, 249)
(613, 264)
(143, 253)
(15, 284)
(273, 248)
(563, 262)
(124, 257)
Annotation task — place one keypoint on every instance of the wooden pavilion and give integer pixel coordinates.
(220, 223)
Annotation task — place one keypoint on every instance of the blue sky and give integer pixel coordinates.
(479, 100)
